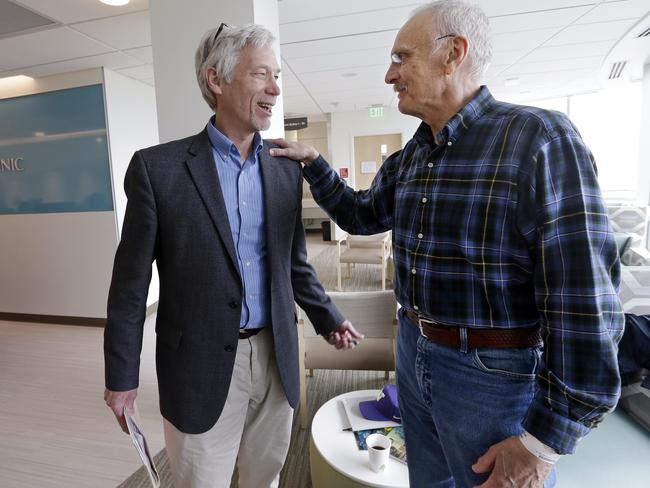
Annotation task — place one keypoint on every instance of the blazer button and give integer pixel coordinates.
(233, 304)
(229, 348)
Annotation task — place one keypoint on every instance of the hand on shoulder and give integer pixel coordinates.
(293, 150)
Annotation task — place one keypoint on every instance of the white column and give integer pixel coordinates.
(644, 149)
(176, 29)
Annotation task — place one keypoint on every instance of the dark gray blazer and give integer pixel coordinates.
(176, 216)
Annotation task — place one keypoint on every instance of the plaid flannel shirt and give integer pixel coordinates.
(498, 222)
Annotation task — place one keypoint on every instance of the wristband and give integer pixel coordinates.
(538, 448)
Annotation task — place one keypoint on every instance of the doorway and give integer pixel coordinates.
(369, 154)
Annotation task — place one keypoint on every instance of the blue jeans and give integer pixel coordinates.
(456, 404)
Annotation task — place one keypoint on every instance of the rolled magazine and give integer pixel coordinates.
(140, 443)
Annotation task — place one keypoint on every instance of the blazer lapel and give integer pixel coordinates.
(270, 178)
(204, 174)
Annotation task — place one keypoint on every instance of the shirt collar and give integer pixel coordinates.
(459, 123)
(225, 146)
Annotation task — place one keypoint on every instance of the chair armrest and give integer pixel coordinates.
(343, 238)
(386, 246)
(339, 242)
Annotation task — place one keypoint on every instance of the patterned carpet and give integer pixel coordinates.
(323, 386)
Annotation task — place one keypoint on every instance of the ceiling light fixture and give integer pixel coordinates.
(10, 84)
(7, 80)
(115, 3)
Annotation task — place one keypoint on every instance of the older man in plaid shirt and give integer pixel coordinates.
(505, 265)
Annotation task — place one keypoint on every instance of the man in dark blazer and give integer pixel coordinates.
(222, 220)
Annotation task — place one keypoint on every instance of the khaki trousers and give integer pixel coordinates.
(254, 428)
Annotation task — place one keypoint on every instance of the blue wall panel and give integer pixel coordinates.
(54, 153)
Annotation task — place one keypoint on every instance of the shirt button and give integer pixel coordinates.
(449, 143)
(415, 307)
(413, 271)
(424, 199)
(229, 348)
(248, 263)
(430, 165)
(243, 203)
(420, 236)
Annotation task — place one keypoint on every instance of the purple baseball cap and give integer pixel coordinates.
(384, 408)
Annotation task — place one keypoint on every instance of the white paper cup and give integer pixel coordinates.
(378, 452)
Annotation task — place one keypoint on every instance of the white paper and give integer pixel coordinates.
(357, 421)
(345, 423)
(368, 166)
(141, 446)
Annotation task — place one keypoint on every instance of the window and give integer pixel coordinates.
(610, 123)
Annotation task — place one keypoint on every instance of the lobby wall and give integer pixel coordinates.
(58, 262)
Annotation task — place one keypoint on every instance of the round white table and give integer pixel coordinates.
(334, 457)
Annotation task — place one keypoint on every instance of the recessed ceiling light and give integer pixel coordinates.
(17, 78)
(13, 82)
(115, 3)
(349, 75)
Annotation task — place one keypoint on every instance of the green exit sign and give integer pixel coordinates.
(374, 112)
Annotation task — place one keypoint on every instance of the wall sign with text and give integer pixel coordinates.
(54, 153)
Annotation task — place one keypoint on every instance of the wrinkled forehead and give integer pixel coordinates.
(415, 33)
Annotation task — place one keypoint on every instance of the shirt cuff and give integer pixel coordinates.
(316, 170)
(538, 448)
(552, 428)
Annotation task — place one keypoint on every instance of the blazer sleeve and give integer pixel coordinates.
(307, 290)
(127, 297)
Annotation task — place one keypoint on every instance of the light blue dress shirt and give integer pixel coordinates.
(243, 193)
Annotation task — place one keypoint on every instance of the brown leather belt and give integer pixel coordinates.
(246, 333)
(497, 338)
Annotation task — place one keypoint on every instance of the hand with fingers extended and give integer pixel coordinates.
(345, 336)
(117, 400)
(293, 150)
(512, 466)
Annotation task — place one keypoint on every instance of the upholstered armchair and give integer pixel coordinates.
(373, 249)
(373, 313)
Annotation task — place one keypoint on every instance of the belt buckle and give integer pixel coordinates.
(420, 327)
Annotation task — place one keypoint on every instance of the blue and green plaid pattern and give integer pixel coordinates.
(498, 222)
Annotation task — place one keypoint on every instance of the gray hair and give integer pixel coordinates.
(222, 53)
(467, 20)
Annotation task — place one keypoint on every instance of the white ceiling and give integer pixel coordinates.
(335, 53)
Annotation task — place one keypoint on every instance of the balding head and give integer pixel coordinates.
(461, 19)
